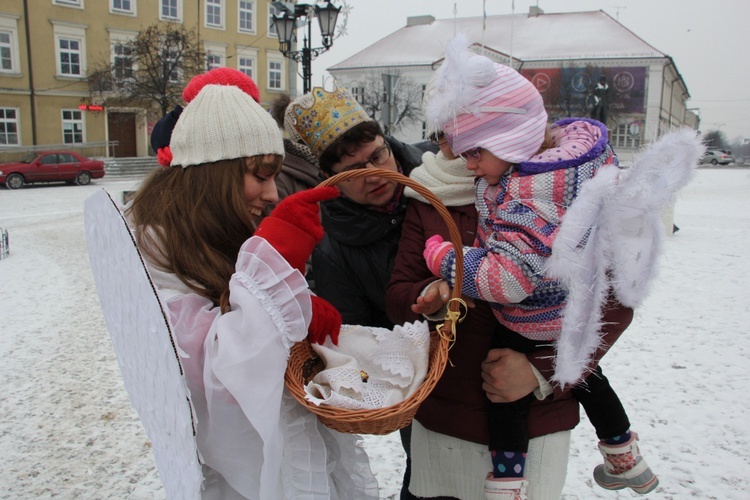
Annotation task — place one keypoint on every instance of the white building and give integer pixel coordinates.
(565, 55)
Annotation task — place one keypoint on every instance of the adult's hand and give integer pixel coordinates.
(433, 299)
(436, 295)
(507, 376)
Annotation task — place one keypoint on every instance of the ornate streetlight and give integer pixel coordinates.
(286, 25)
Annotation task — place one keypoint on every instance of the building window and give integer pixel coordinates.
(122, 54)
(215, 13)
(273, 11)
(70, 47)
(216, 55)
(213, 61)
(275, 75)
(69, 52)
(246, 18)
(246, 64)
(72, 124)
(122, 6)
(9, 127)
(170, 10)
(358, 93)
(171, 66)
(247, 58)
(7, 63)
(627, 135)
(69, 3)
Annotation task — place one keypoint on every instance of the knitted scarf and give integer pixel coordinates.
(449, 180)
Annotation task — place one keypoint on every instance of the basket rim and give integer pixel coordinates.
(391, 418)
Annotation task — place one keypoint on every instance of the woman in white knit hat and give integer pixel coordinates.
(528, 175)
(237, 300)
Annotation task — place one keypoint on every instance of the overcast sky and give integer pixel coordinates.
(708, 40)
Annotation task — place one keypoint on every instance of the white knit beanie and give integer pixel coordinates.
(222, 123)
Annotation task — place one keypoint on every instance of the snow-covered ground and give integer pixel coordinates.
(67, 429)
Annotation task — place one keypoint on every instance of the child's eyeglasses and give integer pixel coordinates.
(438, 139)
(471, 154)
(377, 158)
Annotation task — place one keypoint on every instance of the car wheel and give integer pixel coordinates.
(714, 162)
(83, 178)
(14, 181)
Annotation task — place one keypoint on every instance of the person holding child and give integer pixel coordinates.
(497, 122)
(237, 300)
(448, 443)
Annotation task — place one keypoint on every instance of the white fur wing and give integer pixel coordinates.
(612, 236)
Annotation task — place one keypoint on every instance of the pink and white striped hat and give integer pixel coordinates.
(479, 103)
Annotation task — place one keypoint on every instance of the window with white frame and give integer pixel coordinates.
(70, 49)
(122, 55)
(69, 3)
(216, 55)
(72, 125)
(358, 93)
(171, 66)
(9, 127)
(170, 10)
(9, 62)
(273, 11)
(123, 63)
(247, 58)
(122, 6)
(246, 17)
(626, 135)
(246, 65)
(215, 13)
(276, 74)
(213, 61)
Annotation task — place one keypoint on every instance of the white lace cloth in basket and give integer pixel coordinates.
(371, 367)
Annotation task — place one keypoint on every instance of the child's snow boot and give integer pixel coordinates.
(624, 467)
(505, 488)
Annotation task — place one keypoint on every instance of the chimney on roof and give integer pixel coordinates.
(535, 11)
(419, 20)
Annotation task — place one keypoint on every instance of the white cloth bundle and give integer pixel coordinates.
(371, 367)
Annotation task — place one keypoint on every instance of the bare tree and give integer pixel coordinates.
(407, 99)
(151, 70)
(715, 139)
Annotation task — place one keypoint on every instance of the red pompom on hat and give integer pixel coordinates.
(222, 76)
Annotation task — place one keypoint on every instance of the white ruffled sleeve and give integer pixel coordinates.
(242, 356)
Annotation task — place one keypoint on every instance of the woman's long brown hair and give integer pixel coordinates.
(192, 221)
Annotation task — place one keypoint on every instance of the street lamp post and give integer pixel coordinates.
(286, 25)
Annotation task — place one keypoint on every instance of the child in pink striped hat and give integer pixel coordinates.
(528, 175)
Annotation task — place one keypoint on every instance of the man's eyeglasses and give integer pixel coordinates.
(472, 154)
(377, 158)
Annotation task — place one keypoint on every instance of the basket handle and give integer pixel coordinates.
(455, 235)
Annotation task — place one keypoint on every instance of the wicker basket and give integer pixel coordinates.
(304, 364)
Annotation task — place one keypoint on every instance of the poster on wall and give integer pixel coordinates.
(592, 91)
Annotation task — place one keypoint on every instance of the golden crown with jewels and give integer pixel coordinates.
(320, 117)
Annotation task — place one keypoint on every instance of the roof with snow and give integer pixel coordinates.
(523, 37)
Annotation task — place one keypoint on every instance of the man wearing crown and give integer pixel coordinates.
(352, 265)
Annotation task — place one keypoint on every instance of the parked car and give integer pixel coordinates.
(717, 157)
(51, 166)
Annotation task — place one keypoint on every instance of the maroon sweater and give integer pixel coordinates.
(458, 406)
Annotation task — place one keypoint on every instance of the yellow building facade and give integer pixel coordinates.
(47, 48)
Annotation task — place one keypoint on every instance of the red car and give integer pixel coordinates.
(51, 166)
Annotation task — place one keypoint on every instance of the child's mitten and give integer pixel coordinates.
(435, 250)
(293, 228)
(326, 321)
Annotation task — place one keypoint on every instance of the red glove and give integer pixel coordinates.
(293, 228)
(435, 250)
(326, 320)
